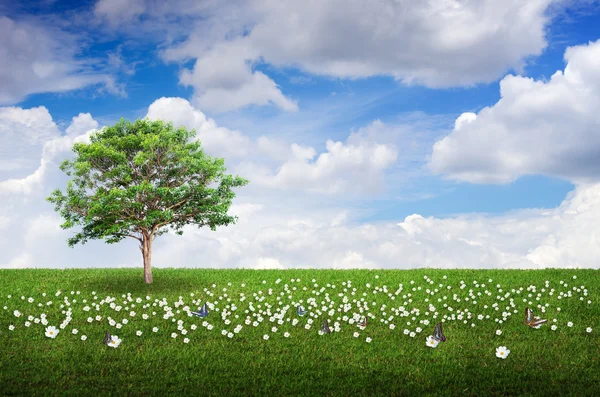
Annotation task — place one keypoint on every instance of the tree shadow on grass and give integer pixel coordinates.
(122, 281)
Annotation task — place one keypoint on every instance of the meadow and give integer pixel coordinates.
(253, 342)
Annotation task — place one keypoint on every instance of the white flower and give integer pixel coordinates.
(412, 334)
(11, 327)
(173, 335)
(83, 337)
(230, 335)
(569, 324)
(114, 341)
(553, 327)
(286, 334)
(502, 352)
(588, 330)
(431, 342)
(266, 337)
(186, 340)
(51, 332)
(356, 334)
(368, 340)
(498, 332)
(27, 323)
(75, 331)
(119, 325)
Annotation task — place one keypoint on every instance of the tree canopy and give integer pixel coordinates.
(140, 179)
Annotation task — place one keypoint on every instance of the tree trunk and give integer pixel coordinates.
(146, 248)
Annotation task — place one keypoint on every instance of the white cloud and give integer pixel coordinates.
(273, 148)
(40, 58)
(23, 133)
(343, 167)
(565, 236)
(30, 134)
(303, 231)
(119, 11)
(436, 44)
(266, 263)
(218, 141)
(232, 84)
(537, 127)
(82, 124)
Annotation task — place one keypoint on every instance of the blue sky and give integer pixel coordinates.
(461, 134)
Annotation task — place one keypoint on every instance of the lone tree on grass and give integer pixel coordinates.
(136, 180)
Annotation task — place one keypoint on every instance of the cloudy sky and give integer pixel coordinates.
(375, 133)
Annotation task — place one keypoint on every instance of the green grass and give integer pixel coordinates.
(541, 362)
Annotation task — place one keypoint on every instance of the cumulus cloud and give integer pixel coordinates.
(344, 167)
(223, 79)
(565, 236)
(81, 124)
(301, 231)
(217, 140)
(23, 133)
(31, 236)
(435, 44)
(39, 58)
(30, 134)
(438, 44)
(537, 127)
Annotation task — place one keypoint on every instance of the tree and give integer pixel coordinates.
(138, 180)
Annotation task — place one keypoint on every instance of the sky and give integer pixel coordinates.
(376, 134)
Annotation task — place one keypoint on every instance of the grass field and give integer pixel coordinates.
(227, 353)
